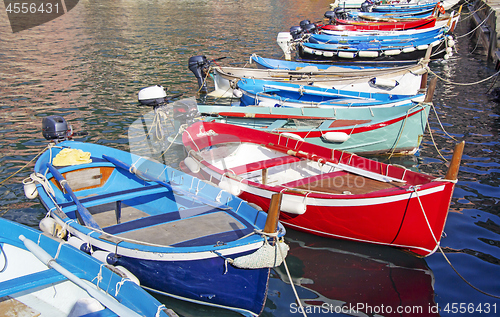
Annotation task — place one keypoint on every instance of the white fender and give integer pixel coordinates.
(409, 49)
(328, 54)
(30, 190)
(104, 256)
(337, 137)
(231, 187)
(384, 82)
(50, 226)
(237, 93)
(392, 52)
(293, 204)
(79, 244)
(126, 273)
(347, 54)
(371, 54)
(192, 164)
(422, 47)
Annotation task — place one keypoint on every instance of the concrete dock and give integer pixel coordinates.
(484, 18)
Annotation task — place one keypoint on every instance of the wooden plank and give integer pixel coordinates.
(11, 307)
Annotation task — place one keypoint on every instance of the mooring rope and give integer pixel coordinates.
(415, 190)
(479, 25)
(462, 84)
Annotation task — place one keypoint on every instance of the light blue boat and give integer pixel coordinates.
(392, 130)
(178, 235)
(288, 95)
(41, 275)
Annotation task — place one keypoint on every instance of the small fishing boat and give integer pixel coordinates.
(358, 68)
(42, 275)
(356, 4)
(408, 49)
(325, 192)
(404, 80)
(178, 235)
(275, 94)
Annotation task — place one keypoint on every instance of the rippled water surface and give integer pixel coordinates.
(89, 64)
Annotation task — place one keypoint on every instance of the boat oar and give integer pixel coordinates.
(340, 166)
(155, 179)
(83, 215)
(455, 161)
(102, 297)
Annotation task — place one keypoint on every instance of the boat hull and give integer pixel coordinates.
(192, 268)
(400, 134)
(330, 204)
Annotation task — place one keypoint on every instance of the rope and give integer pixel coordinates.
(479, 25)
(462, 84)
(19, 170)
(293, 285)
(442, 252)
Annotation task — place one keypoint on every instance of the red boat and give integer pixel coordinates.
(352, 25)
(323, 191)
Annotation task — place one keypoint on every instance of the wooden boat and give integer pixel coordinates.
(356, 4)
(411, 49)
(382, 131)
(350, 25)
(401, 80)
(400, 134)
(282, 94)
(43, 275)
(179, 236)
(361, 68)
(324, 192)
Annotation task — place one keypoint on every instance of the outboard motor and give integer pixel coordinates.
(310, 28)
(199, 66)
(340, 13)
(184, 112)
(366, 6)
(56, 128)
(296, 32)
(153, 96)
(330, 15)
(304, 23)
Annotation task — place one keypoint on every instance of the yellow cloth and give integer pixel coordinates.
(71, 157)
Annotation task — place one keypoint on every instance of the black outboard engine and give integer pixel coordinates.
(199, 66)
(330, 15)
(310, 28)
(184, 112)
(304, 23)
(296, 32)
(55, 128)
(341, 13)
(366, 6)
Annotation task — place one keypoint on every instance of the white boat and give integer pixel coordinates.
(42, 275)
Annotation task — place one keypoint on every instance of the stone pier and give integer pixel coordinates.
(488, 31)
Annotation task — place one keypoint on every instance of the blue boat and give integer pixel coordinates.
(384, 37)
(410, 49)
(274, 94)
(43, 275)
(178, 235)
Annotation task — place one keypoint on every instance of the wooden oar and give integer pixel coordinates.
(83, 215)
(102, 297)
(171, 187)
(340, 166)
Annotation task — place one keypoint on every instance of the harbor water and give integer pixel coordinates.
(89, 64)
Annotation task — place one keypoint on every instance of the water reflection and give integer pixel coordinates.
(337, 276)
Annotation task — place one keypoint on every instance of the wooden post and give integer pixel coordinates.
(273, 214)
(430, 91)
(455, 161)
(264, 176)
(423, 82)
